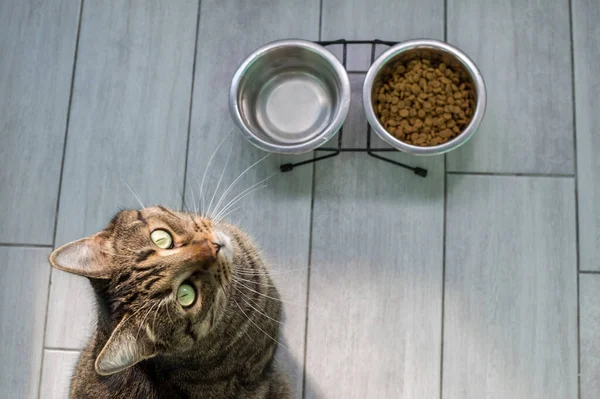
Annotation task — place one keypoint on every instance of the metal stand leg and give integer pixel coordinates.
(286, 167)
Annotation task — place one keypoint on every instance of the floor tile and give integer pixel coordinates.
(37, 43)
(586, 47)
(382, 19)
(71, 311)
(376, 280)
(362, 20)
(524, 52)
(24, 275)
(510, 315)
(589, 335)
(57, 372)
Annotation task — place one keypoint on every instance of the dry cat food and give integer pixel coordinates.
(424, 104)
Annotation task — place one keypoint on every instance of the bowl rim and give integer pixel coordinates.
(461, 57)
(334, 125)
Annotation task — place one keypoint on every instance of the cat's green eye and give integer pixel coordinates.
(186, 295)
(162, 239)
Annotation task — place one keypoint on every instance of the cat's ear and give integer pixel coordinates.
(85, 257)
(126, 346)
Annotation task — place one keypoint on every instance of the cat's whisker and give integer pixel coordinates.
(244, 295)
(150, 307)
(257, 282)
(244, 330)
(200, 201)
(222, 217)
(232, 201)
(249, 337)
(194, 200)
(166, 302)
(241, 196)
(144, 319)
(244, 272)
(245, 194)
(232, 185)
(257, 326)
(208, 210)
(270, 297)
(257, 310)
(202, 208)
(160, 305)
(134, 194)
(268, 268)
(280, 273)
(134, 313)
(271, 272)
(168, 311)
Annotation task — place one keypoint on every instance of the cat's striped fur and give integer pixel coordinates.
(146, 345)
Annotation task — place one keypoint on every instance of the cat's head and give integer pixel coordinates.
(162, 275)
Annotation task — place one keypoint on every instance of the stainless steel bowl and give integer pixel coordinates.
(290, 96)
(435, 51)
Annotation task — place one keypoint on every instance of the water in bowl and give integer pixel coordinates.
(293, 106)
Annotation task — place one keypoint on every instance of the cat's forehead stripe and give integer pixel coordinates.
(141, 217)
(151, 282)
(142, 256)
(197, 228)
(205, 224)
(162, 208)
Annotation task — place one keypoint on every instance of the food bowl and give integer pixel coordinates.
(290, 96)
(436, 52)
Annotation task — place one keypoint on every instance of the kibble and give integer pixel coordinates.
(424, 104)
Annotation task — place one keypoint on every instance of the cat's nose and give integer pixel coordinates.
(203, 250)
(224, 246)
(215, 248)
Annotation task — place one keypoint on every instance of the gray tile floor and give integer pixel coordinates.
(480, 281)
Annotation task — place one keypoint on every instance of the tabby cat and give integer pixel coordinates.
(186, 309)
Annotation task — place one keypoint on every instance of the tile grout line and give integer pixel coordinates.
(578, 256)
(445, 33)
(320, 19)
(444, 250)
(589, 272)
(554, 175)
(25, 245)
(310, 238)
(60, 180)
(189, 128)
(58, 349)
(443, 304)
(308, 274)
